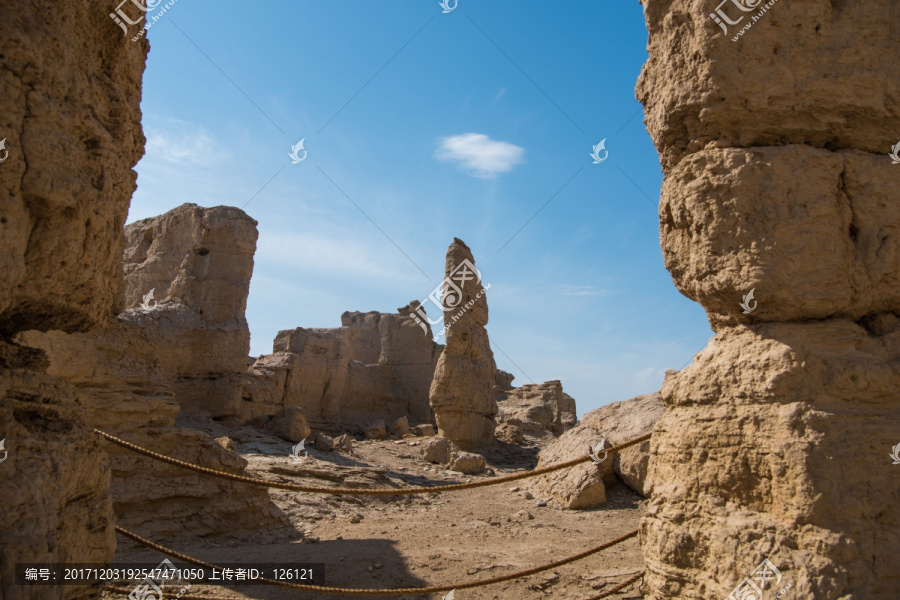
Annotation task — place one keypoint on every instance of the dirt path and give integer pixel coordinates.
(412, 541)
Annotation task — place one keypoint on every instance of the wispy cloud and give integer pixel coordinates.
(582, 290)
(479, 154)
(180, 142)
(333, 254)
(650, 375)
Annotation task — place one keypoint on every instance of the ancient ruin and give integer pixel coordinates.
(198, 263)
(776, 182)
(168, 359)
(537, 408)
(778, 215)
(376, 366)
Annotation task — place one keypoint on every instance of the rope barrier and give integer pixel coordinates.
(342, 491)
(610, 591)
(385, 592)
(606, 594)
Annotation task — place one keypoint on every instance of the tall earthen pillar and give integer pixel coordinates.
(774, 445)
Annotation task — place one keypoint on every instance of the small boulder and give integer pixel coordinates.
(437, 450)
(400, 427)
(376, 431)
(466, 462)
(509, 433)
(344, 443)
(424, 430)
(322, 442)
(290, 424)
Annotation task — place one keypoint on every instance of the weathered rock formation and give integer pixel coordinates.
(71, 121)
(462, 392)
(538, 408)
(375, 367)
(503, 381)
(198, 262)
(54, 481)
(619, 422)
(584, 486)
(774, 441)
(133, 375)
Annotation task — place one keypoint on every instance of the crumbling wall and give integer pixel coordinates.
(184, 351)
(537, 408)
(775, 441)
(198, 263)
(375, 367)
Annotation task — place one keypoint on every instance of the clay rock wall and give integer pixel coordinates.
(123, 388)
(54, 480)
(777, 180)
(791, 78)
(376, 366)
(72, 124)
(198, 263)
(70, 116)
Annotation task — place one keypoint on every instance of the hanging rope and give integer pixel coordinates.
(383, 592)
(342, 491)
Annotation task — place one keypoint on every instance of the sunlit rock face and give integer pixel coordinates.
(774, 443)
(462, 393)
(374, 367)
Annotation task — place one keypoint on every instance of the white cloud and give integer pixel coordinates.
(479, 154)
(650, 375)
(181, 142)
(335, 254)
(582, 290)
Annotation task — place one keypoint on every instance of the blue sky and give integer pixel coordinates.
(422, 126)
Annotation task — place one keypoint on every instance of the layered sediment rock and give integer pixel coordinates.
(198, 263)
(135, 374)
(375, 367)
(71, 124)
(777, 181)
(54, 480)
(538, 408)
(462, 392)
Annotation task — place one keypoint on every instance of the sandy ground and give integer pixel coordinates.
(422, 540)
